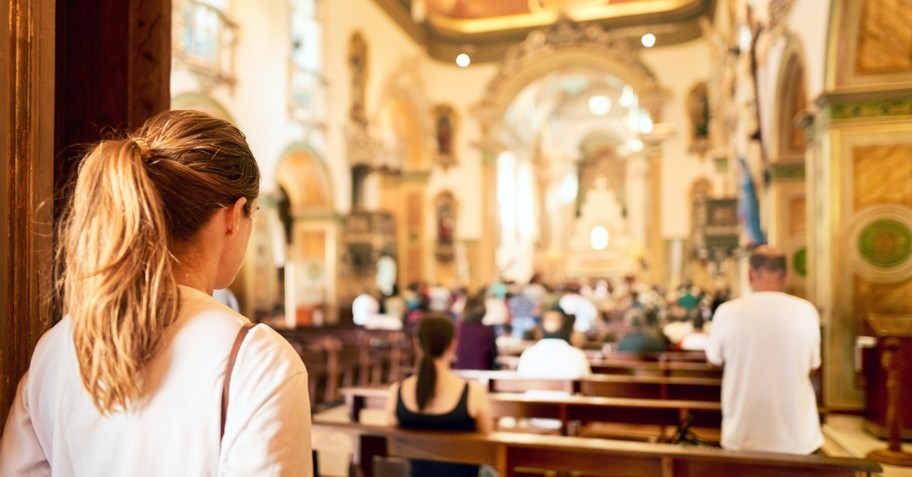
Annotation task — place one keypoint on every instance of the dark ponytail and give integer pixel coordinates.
(435, 333)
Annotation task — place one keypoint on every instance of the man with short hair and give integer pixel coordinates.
(553, 356)
(769, 343)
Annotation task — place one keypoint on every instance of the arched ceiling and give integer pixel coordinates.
(486, 28)
(553, 113)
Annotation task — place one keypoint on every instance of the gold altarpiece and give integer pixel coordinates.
(860, 185)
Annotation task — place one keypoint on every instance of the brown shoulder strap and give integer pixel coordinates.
(242, 333)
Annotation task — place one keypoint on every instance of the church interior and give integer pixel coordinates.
(475, 146)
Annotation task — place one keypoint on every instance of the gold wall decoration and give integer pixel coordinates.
(883, 174)
(359, 70)
(880, 243)
(884, 37)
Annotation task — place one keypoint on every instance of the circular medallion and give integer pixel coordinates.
(880, 243)
(885, 243)
(799, 262)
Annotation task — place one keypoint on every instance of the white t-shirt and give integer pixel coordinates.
(364, 306)
(553, 358)
(769, 342)
(582, 308)
(53, 426)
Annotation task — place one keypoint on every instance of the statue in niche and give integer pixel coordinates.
(357, 63)
(445, 208)
(444, 133)
(698, 110)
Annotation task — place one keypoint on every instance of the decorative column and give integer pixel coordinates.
(490, 237)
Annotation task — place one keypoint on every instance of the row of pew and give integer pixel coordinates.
(641, 398)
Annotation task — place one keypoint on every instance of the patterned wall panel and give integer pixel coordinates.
(883, 174)
(884, 37)
(874, 297)
(797, 217)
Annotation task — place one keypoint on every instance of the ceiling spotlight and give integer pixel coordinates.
(463, 60)
(599, 105)
(648, 40)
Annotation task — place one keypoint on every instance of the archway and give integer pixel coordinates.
(560, 71)
(310, 265)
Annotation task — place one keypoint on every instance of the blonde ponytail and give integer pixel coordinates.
(117, 283)
(134, 201)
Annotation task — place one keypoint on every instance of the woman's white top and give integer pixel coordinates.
(173, 429)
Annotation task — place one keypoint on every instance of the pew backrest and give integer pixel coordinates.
(507, 452)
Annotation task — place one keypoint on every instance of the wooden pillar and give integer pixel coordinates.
(26, 161)
(73, 71)
(113, 67)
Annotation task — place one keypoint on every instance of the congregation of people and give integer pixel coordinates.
(557, 330)
(599, 314)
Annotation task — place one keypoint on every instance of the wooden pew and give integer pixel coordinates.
(512, 382)
(655, 368)
(630, 366)
(605, 385)
(366, 357)
(571, 410)
(651, 387)
(513, 455)
(321, 356)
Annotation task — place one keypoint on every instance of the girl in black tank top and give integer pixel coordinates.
(435, 334)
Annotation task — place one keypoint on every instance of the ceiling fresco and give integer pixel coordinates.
(488, 27)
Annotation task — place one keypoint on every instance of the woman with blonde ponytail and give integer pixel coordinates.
(437, 399)
(130, 381)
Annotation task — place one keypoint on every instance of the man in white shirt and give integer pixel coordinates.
(769, 343)
(364, 307)
(575, 304)
(553, 356)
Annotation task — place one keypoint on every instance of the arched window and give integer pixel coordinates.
(306, 66)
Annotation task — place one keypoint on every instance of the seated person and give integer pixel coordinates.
(639, 338)
(475, 342)
(553, 356)
(696, 340)
(437, 399)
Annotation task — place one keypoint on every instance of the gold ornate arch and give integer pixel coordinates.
(563, 45)
(790, 140)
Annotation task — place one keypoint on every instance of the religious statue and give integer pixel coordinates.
(446, 222)
(444, 133)
(698, 111)
(357, 62)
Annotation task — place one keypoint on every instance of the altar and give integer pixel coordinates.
(601, 245)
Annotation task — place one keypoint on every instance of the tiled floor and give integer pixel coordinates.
(844, 437)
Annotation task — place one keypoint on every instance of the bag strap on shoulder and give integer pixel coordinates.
(242, 333)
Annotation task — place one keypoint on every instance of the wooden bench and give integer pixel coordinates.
(572, 410)
(605, 385)
(514, 455)
(655, 368)
(361, 357)
(630, 366)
